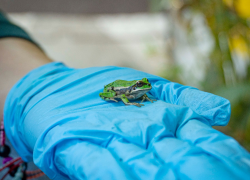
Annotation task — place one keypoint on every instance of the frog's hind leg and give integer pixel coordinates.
(108, 96)
(126, 101)
(112, 99)
(146, 97)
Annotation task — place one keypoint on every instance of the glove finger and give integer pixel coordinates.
(78, 159)
(189, 161)
(214, 108)
(218, 145)
(169, 158)
(142, 162)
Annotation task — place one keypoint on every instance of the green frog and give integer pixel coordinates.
(125, 90)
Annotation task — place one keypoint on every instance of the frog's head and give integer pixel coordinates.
(142, 85)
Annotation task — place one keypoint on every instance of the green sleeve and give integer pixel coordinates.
(8, 29)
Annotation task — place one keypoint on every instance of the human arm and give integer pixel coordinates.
(19, 54)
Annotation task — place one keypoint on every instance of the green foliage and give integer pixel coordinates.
(239, 124)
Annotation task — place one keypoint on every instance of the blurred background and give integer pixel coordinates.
(200, 43)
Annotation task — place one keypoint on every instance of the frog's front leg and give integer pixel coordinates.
(146, 97)
(126, 101)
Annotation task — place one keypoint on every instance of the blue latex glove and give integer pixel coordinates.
(54, 115)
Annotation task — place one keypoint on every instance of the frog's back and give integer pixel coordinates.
(120, 83)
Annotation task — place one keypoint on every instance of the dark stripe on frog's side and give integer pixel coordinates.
(132, 95)
(123, 90)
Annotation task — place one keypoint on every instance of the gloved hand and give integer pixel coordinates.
(54, 115)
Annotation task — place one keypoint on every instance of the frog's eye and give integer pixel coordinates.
(139, 84)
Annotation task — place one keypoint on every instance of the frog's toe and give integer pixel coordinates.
(152, 100)
(139, 105)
